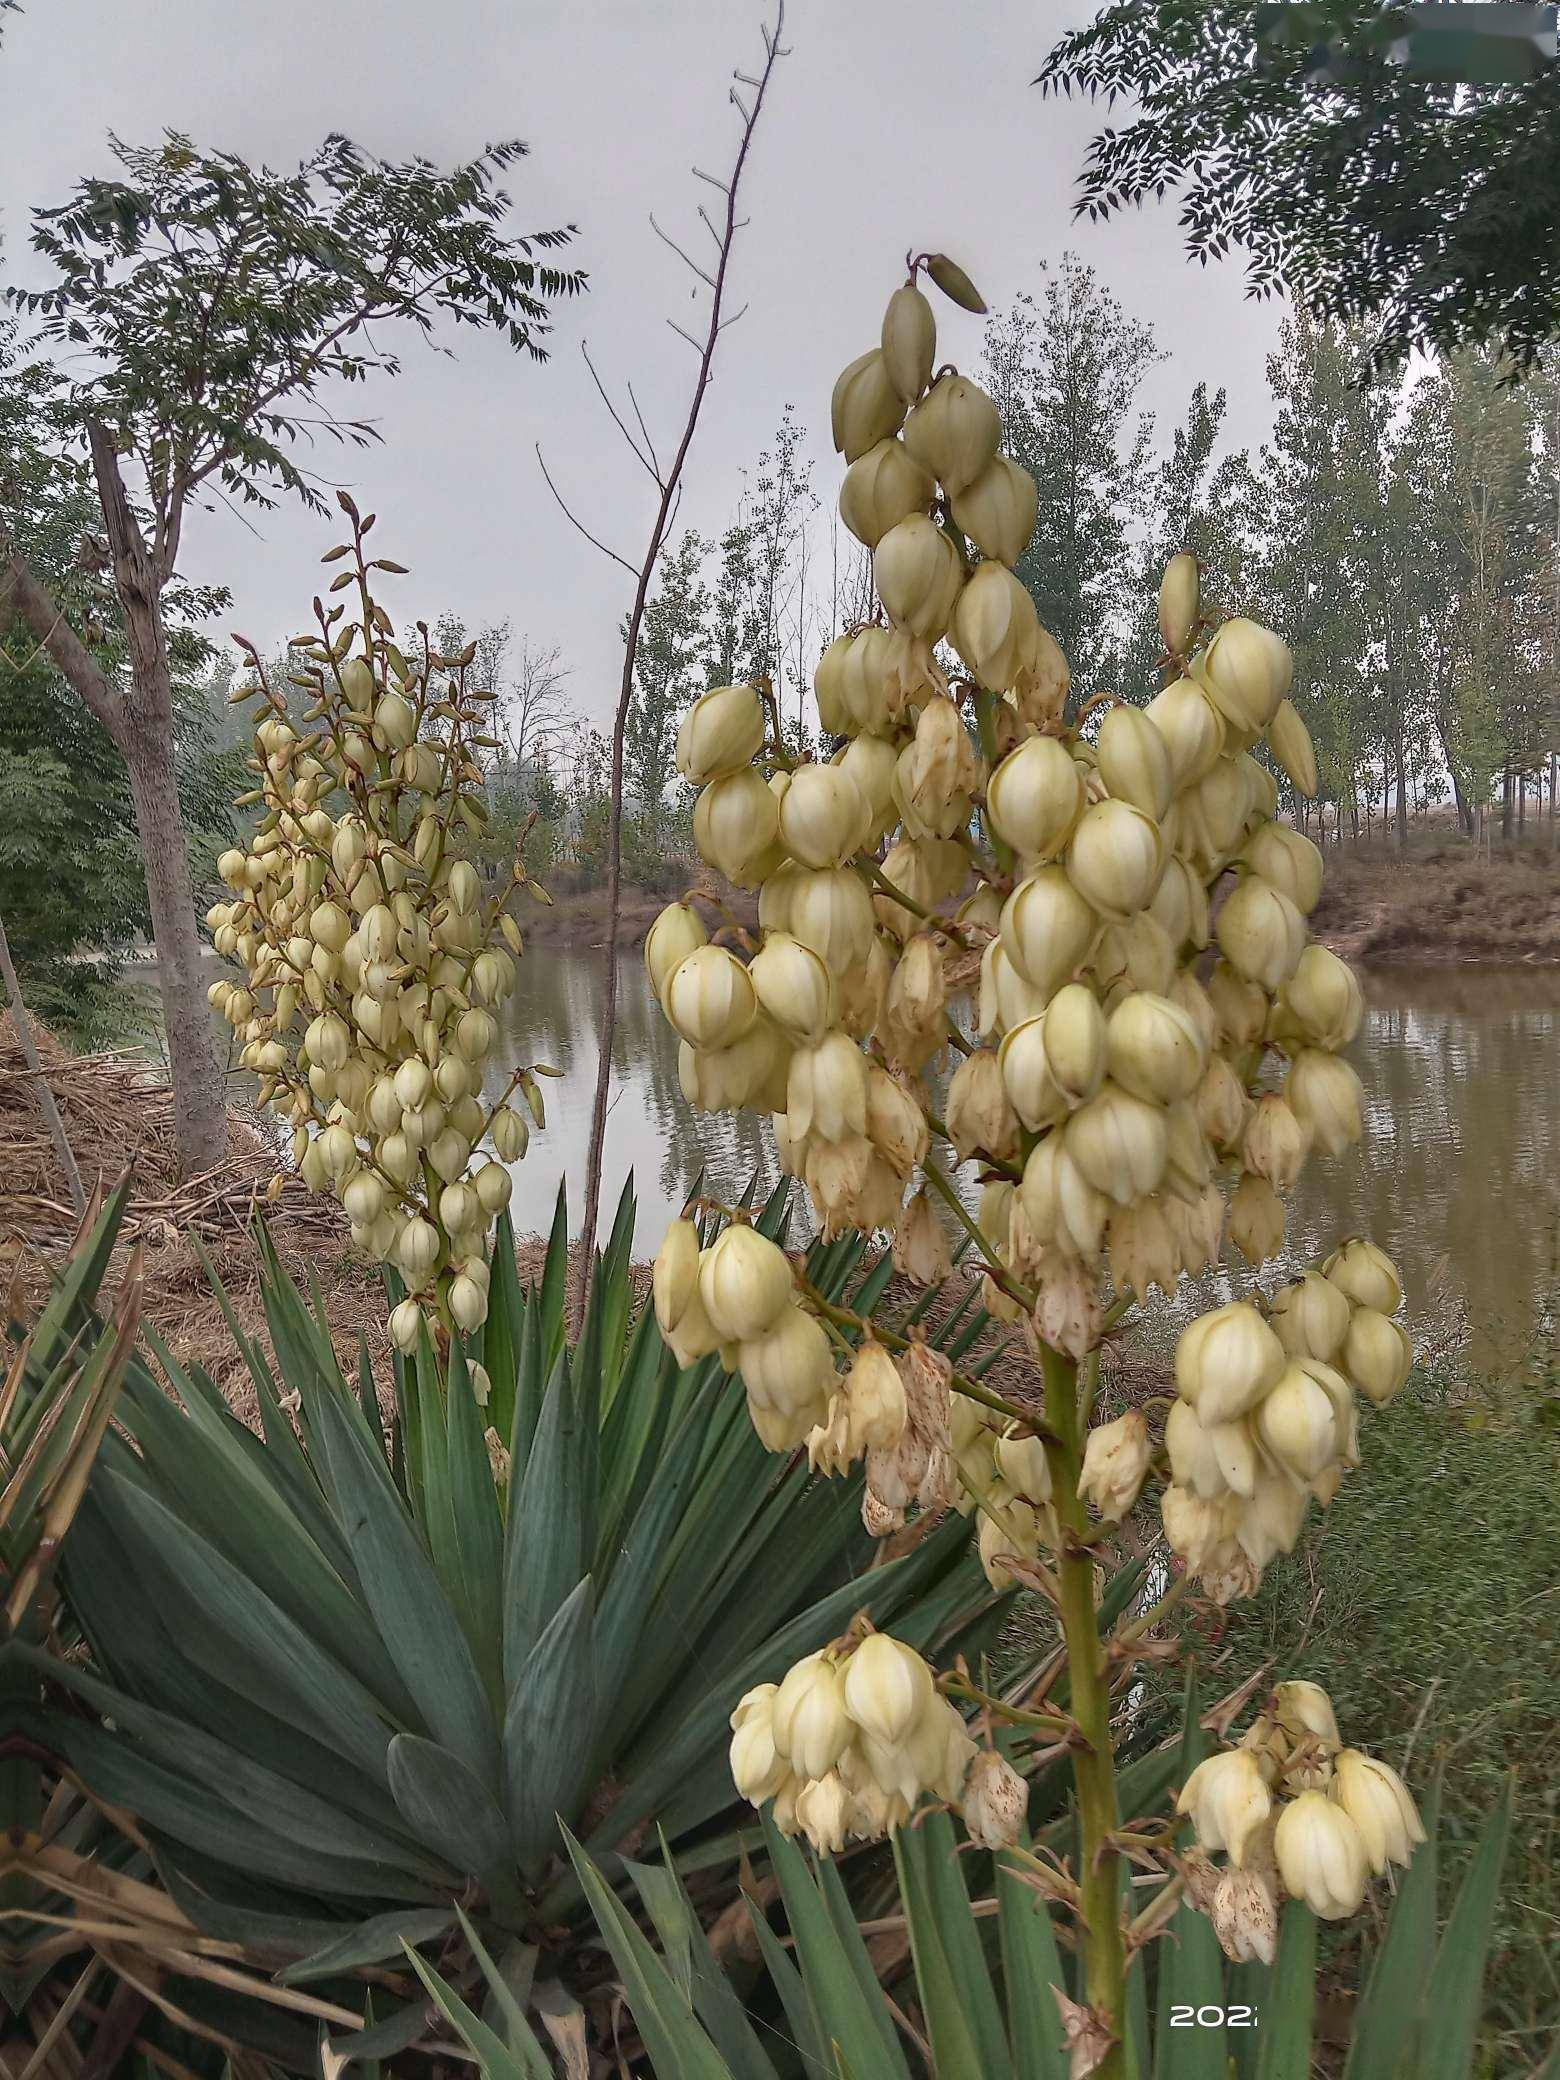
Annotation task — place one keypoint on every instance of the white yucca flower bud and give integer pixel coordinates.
(677, 932)
(793, 986)
(791, 1367)
(1321, 1856)
(1134, 760)
(823, 817)
(1120, 1143)
(808, 1718)
(1287, 858)
(865, 407)
(830, 910)
(1323, 998)
(996, 1799)
(953, 432)
(1366, 1274)
(1256, 1219)
(826, 1094)
(1246, 670)
(1377, 1800)
(1034, 797)
(1180, 905)
(1192, 727)
(996, 630)
(880, 489)
(1047, 929)
(1376, 1354)
(1226, 1361)
(494, 1188)
(709, 998)
(1296, 1423)
(918, 573)
(720, 733)
(1144, 1250)
(735, 823)
(1326, 1097)
(875, 1396)
(395, 721)
(1115, 858)
(1222, 1104)
(1025, 1069)
(1064, 1210)
(887, 1688)
(823, 1813)
(1311, 1317)
(405, 1325)
(1116, 1460)
(1199, 1531)
(1179, 602)
(468, 1304)
(745, 1282)
(978, 1113)
(1153, 1048)
(1228, 1801)
(1290, 743)
(909, 341)
(920, 1247)
(1261, 933)
(1210, 1461)
(417, 1251)
(756, 1769)
(997, 510)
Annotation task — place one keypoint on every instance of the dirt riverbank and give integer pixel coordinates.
(1441, 906)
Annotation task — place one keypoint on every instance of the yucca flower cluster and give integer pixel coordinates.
(854, 1736)
(1078, 954)
(373, 962)
(1264, 1416)
(1296, 1814)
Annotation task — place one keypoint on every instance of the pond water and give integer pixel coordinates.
(1459, 1177)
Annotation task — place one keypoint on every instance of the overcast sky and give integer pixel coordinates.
(894, 123)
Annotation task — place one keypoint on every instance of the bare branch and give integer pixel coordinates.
(733, 318)
(667, 240)
(23, 589)
(579, 525)
(671, 487)
(709, 224)
(740, 105)
(644, 429)
(601, 392)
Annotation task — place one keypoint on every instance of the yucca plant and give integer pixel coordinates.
(348, 1682)
(979, 1988)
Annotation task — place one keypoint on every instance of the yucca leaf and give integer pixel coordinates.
(845, 2016)
(549, 1729)
(807, 2041)
(1288, 2011)
(955, 2048)
(227, 1625)
(942, 1878)
(714, 1998)
(369, 1942)
(477, 1559)
(411, 1612)
(545, 1552)
(532, 1373)
(522, 2060)
(846, 1927)
(76, 1283)
(1389, 2014)
(551, 1294)
(675, 2041)
(1031, 1968)
(1453, 2007)
(633, 1436)
(501, 1331)
(441, 1801)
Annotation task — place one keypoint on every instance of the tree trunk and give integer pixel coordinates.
(1554, 774)
(1506, 803)
(142, 728)
(1402, 796)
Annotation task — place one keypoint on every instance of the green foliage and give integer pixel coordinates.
(1425, 1604)
(669, 673)
(217, 298)
(345, 1681)
(982, 1975)
(1359, 187)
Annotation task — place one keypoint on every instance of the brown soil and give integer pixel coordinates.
(1442, 907)
(577, 920)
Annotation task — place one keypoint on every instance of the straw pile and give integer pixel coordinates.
(118, 1110)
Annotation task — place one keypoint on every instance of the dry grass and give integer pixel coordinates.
(118, 1111)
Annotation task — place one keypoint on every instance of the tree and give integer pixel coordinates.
(669, 671)
(217, 303)
(1065, 373)
(1425, 208)
(1180, 517)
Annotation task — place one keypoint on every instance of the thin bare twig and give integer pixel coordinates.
(670, 481)
(601, 392)
(667, 240)
(579, 524)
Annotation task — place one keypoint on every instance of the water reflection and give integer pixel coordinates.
(1457, 1179)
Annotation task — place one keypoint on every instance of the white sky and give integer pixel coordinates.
(895, 123)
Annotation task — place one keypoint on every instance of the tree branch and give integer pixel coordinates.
(669, 490)
(622, 561)
(22, 589)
